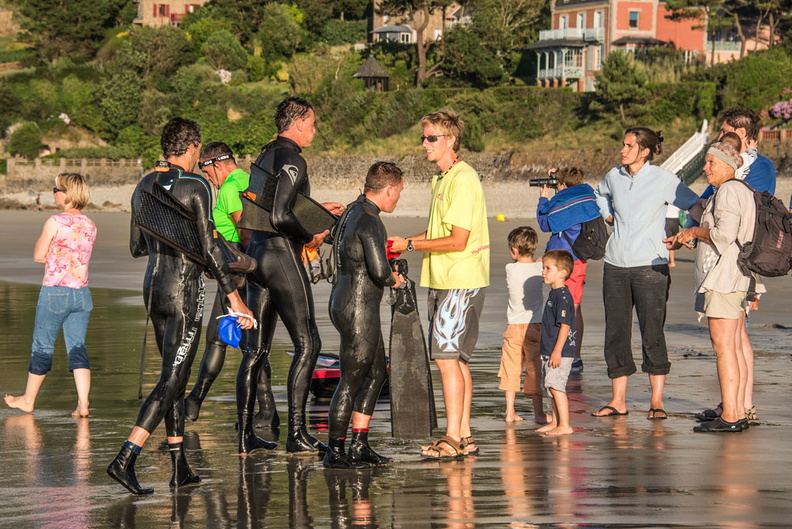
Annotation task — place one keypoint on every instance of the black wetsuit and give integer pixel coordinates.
(362, 273)
(174, 293)
(284, 290)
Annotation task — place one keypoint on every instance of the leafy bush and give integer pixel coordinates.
(336, 32)
(224, 52)
(25, 141)
(756, 80)
(109, 152)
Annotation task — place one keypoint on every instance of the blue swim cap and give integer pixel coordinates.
(230, 331)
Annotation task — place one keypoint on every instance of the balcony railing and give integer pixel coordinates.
(589, 34)
(564, 72)
(721, 45)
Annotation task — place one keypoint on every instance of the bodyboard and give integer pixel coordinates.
(413, 414)
(166, 219)
(162, 216)
(310, 213)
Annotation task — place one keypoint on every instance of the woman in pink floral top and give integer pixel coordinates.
(64, 247)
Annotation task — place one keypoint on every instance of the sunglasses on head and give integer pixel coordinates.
(211, 161)
(432, 139)
(57, 189)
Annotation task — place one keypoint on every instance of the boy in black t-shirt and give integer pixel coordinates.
(559, 335)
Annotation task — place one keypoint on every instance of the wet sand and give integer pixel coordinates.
(616, 472)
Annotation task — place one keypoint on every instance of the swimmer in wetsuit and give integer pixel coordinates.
(362, 272)
(174, 293)
(220, 169)
(280, 285)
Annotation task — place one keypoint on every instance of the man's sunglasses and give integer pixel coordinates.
(57, 189)
(432, 139)
(211, 161)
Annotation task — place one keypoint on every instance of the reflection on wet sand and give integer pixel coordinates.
(614, 472)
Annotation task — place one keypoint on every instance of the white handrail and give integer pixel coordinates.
(689, 150)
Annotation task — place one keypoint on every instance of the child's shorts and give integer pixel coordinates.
(521, 350)
(555, 377)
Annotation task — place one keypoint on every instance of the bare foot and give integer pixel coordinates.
(559, 430)
(81, 410)
(545, 418)
(20, 403)
(513, 417)
(546, 428)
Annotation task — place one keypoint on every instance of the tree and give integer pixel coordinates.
(467, 59)
(199, 29)
(280, 32)
(224, 52)
(620, 83)
(161, 50)
(714, 16)
(25, 141)
(59, 28)
(350, 9)
(419, 12)
(506, 26)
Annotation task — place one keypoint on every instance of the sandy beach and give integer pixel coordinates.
(623, 472)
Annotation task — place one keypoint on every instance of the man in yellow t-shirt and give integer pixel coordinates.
(456, 271)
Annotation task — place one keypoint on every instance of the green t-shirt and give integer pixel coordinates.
(458, 200)
(228, 202)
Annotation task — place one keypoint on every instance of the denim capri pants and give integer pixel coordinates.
(58, 307)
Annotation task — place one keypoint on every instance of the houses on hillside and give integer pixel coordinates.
(165, 12)
(584, 32)
(403, 29)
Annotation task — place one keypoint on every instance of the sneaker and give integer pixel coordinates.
(718, 425)
(577, 365)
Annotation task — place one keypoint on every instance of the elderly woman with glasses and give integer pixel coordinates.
(64, 247)
(728, 220)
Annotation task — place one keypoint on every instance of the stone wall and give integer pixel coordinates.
(348, 172)
(24, 175)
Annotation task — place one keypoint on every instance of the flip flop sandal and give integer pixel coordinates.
(445, 448)
(654, 412)
(613, 412)
(467, 442)
(711, 414)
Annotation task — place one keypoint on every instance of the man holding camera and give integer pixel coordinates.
(563, 215)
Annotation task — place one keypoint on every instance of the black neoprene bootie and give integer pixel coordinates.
(122, 469)
(360, 451)
(336, 457)
(182, 473)
(301, 441)
(248, 440)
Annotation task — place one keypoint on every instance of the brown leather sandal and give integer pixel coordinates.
(469, 447)
(444, 448)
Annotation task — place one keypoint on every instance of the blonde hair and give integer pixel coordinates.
(523, 240)
(448, 122)
(75, 186)
(562, 259)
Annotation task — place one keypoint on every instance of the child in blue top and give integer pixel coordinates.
(559, 337)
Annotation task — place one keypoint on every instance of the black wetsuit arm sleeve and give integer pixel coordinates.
(215, 260)
(137, 243)
(373, 238)
(291, 178)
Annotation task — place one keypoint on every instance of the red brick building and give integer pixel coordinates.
(585, 31)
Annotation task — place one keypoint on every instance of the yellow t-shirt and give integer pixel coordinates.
(458, 200)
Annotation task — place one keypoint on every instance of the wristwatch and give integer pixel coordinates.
(409, 245)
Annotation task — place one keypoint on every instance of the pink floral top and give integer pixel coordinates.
(70, 251)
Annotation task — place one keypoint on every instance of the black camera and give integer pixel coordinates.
(538, 182)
